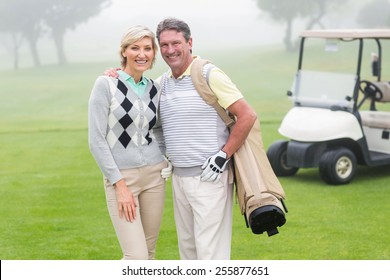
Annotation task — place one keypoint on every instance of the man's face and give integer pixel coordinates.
(175, 50)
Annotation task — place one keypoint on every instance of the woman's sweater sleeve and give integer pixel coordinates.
(98, 111)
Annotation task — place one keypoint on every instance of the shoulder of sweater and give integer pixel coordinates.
(101, 89)
(104, 80)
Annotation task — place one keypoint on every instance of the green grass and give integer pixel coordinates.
(52, 203)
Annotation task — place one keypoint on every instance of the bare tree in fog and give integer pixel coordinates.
(375, 14)
(32, 19)
(287, 11)
(7, 25)
(22, 18)
(61, 15)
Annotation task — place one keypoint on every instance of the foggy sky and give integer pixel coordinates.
(215, 24)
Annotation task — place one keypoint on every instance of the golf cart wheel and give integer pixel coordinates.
(338, 166)
(277, 156)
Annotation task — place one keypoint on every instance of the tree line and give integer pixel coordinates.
(373, 14)
(27, 21)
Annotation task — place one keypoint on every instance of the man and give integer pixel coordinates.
(199, 146)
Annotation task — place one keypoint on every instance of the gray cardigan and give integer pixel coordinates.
(120, 126)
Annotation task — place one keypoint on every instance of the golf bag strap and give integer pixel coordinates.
(204, 90)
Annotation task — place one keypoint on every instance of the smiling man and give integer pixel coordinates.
(199, 146)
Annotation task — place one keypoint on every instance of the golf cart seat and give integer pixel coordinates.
(378, 119)
(385, 88)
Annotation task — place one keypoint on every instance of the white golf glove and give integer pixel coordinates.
(214, 166)
(167, 171)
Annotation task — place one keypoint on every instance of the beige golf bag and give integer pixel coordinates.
(259, 192)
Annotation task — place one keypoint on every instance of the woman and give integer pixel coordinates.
(122, 113)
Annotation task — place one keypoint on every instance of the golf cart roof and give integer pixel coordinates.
(346, 33)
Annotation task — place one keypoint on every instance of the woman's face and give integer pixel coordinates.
(139, 55)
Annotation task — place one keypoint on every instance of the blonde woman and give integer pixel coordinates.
(122, 116)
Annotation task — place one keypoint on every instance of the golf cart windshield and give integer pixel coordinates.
(324, 89)
(332, 64)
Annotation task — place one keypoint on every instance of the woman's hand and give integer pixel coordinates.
(167, 171)
(126, 202)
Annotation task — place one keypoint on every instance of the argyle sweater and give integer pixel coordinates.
(120, 126)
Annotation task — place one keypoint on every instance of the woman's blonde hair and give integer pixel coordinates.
(134, 34)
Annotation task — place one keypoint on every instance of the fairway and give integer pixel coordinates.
(52, 203)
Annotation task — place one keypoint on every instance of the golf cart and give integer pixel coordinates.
(339, 117)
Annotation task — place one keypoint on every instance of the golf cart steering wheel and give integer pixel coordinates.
(370, 90)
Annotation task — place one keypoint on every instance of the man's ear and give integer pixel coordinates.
(190, 43)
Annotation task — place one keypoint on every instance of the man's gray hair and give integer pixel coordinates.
(173, 24)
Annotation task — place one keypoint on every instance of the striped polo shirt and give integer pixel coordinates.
(193, 131)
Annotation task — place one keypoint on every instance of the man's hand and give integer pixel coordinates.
(111, 72)
(214, 166)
